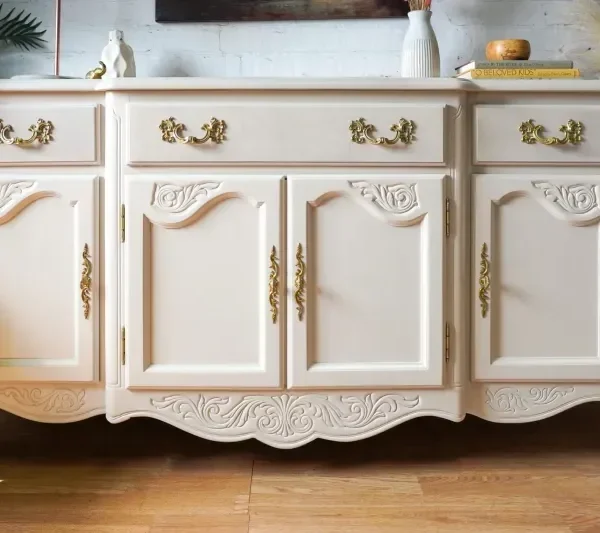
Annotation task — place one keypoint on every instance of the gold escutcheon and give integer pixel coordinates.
(484, 281)
(532, 133)
(172, 132)
(274, 285)
(363, 133)
(41, 132)
(300, 282)
(86, 282)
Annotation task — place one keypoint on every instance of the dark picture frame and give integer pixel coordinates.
(261, 10)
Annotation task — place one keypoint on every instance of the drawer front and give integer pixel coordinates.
(48, 134)
(541, 134)
(275, 133)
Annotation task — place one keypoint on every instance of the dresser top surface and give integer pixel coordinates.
(296, 84)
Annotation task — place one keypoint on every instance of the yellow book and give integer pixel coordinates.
(520, 73)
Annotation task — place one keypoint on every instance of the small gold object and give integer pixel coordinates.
(532, 134)
(362, 132)
(97, 73)
(86, 282)
(484, 281)
(41, 132)
(274, 285)
(172, 130)
(300, 283)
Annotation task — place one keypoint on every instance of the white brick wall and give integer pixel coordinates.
(326, 48)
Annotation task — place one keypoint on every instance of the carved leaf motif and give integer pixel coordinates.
(512, 400)
(397, 199)
(178, 198)
(9, 190)
(287, 415)
(574, 199)
(57, 401)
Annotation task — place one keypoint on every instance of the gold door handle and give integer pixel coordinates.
(41, 132)
(86, 282)
(363, 133)
(300, 283)
(172, 132)
(532, 134)
(484, 281)
(274, 285)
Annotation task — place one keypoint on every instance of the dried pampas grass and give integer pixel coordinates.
(586, 16)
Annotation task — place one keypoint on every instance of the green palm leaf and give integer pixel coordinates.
(21, 30)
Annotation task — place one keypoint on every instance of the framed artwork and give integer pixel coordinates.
(254, 10)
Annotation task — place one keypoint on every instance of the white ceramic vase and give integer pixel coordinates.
(420, 53)
(118, 57)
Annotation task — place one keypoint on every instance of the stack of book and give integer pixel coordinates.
(517, 70)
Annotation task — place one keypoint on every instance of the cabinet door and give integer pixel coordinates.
(366, 278)
(535, 292)
(203, 281)
(48, 278)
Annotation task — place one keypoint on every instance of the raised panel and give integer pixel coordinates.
(48, 279)
(372, 274)
(536, 308)
(499, 141)
(198, 257)
(306, 130)
(72, 134)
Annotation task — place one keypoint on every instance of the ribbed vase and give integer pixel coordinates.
(420, 53)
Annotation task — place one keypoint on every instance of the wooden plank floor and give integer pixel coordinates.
(425, 476)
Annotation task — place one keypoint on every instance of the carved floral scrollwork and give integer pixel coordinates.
(397, 199)
(513, 400)
(574, 199)
(175, 199)
(55, 401)
(8, 191)
(287, 416)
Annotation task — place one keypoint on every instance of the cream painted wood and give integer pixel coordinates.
(304, 131)
(45, 223)
(374, 253)
(191, 283)
(197, 286)
(74, 139)
(499, 141)
(543, 238)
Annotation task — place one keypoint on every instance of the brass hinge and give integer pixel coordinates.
(123, 345)
(447, 217)
(447, 347)
(122, 222)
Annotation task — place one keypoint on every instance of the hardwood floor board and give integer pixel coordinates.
(374, 524)
(70, 528)
(506, 483)
(425, 476)
(64, 477)
(582, 515)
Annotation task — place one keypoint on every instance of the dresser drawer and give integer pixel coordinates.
(290, 132)
(48, 134)
(542, 134)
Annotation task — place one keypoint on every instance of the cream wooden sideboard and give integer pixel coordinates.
(297, 259)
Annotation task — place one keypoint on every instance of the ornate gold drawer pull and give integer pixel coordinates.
(274, 285)
(41, 132)
(172, 132)
(484, 281)
(86, 282)
(300, 283)
(532, 134)
(362, 133)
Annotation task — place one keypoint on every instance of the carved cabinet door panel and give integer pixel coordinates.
(536, 275)
(366, 281)
(49, 282)
(203, 281)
